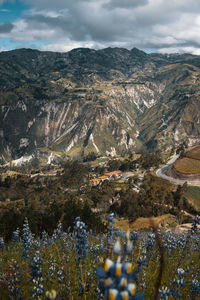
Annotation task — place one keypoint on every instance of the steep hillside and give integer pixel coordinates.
(107, 101)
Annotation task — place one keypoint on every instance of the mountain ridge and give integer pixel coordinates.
(107, 101)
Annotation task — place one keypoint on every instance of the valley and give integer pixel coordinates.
(92, 188)
(108, 101)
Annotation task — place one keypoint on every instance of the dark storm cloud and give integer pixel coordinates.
(6, 27)
(80, 24)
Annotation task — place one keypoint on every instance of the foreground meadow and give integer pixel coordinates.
(80, 264)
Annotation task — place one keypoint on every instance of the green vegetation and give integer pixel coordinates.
(47, 199)
(66, 263)
(193, 196)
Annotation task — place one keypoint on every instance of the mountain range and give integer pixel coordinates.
(105, 101)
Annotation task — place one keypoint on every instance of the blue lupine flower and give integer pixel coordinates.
(80, 236)
(195, 287)
(179, 281)
(15, 235)
(36, 274)
(52, 268)
(169, 241)
(164, 293)
(36, 266)
(61, 275)
(44, 240)
(196, 221)
(58, 233)
(117, 280)
(111, 218)
(27, 239)
(134, 237)
(175, 293)
(38, 289)
(14, 280)
(181, 272)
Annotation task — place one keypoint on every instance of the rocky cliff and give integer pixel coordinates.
(107, 101)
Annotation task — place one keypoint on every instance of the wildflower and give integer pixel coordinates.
(179, 280)
(80, 236)
(61, 275)
(117, 247)
(195, 287)
(132, 288)
(111, 218)
(117, 279)
(14, 280)
(27, 239)
(113, 293)
(164, 293)
(52, 268)
(44, 240)
(180, 272)
(38, 289)
(108, 264)
(58, 233)
(124, 249)
(196, 221)
(15, 235)
(36, 274)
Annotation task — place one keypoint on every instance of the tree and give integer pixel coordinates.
(75, 173)
(114, 164)
(90, 157)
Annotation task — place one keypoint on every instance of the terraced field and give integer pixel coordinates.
(187, 165)
(190, 163)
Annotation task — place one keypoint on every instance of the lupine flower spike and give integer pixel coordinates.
(117, 280)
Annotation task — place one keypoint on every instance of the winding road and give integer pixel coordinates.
(161, 173)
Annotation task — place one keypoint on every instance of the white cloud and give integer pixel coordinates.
(192, 50)
(146, 24)
(4, 10)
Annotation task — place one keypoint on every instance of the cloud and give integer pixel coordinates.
(125, 4)
(8, 1)
(146, 24)
(6, 27)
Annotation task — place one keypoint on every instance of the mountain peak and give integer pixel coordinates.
(138, 52)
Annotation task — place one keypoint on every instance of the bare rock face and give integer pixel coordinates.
(107, 101)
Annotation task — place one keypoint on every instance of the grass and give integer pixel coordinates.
(168, 67)
(146, 223)
(193, 196)
(187, 165)
(161, 221)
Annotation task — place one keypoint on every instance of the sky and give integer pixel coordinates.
(164, 26)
